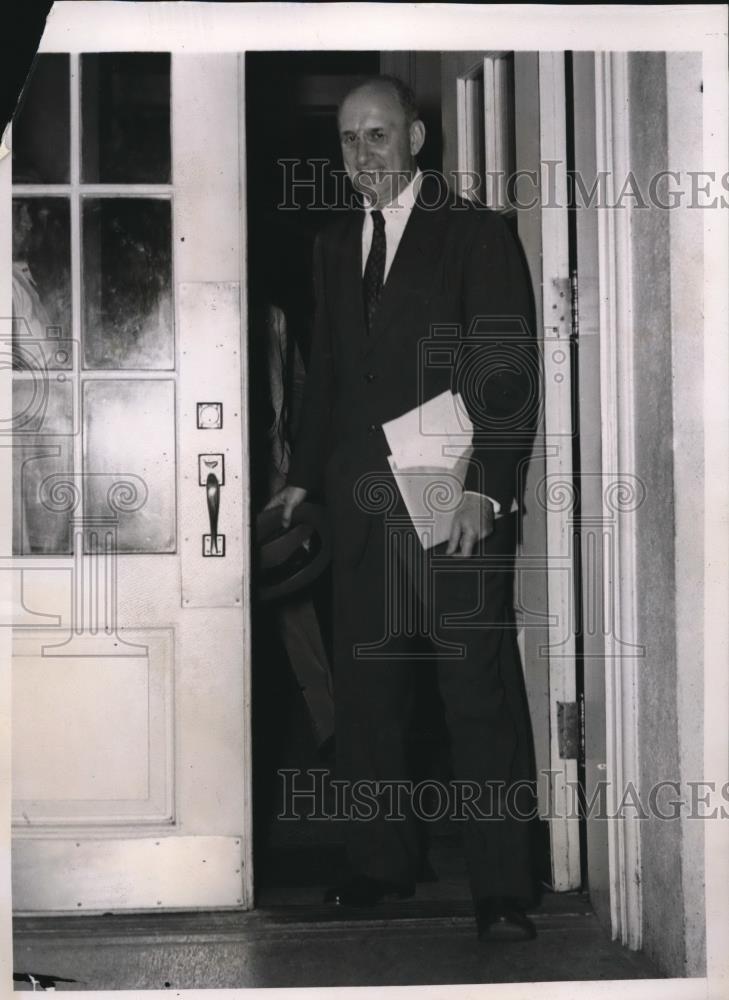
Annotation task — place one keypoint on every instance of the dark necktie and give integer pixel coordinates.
(374, 273)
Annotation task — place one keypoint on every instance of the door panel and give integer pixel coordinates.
(127, 777)
(129, 674)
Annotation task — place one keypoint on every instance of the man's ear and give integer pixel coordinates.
(417, 137)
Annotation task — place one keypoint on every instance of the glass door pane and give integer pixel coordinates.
(129, 460)
(41, 130)
(127, 283)
(41, 283)
(44, 493)
(125, 109)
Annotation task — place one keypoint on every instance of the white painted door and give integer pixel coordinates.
(130, 527)
(504, 116)
(596, 529)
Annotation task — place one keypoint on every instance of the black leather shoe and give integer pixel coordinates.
(365, 891)
(503, 920)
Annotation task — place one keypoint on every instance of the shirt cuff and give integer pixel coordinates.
(495, 503)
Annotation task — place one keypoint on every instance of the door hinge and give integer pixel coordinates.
(575, 303)
(568, 729)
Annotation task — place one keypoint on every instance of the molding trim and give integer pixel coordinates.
(483, 124)
(247, 886)
(558, 431)
(469, 129)
(612, 111)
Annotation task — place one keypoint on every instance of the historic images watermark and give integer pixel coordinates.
(316, 184)
(313, 794)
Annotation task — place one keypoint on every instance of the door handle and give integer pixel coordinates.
(213, 544)
(212, 490)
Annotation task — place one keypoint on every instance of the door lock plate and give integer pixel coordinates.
(213, 548)
(208, 464)
(209, 416)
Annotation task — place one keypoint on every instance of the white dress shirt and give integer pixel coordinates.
(396, 216)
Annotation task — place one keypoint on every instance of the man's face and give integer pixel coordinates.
(378, 145)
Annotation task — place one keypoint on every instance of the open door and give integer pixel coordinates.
(129, 479)
(504, 116)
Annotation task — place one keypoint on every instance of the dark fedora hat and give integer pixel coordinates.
(289, 559)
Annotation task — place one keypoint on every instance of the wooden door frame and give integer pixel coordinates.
(6, 533)
(558, 425)
(247, 838)
(606, 338)
(610, 260)
(700, 522)
(617, 333)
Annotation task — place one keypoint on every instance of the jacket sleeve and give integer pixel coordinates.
(497, 370)
(310, 447)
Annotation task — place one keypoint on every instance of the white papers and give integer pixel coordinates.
(431, 446)
(435, 433)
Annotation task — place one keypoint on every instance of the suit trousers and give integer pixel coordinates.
(392, 593)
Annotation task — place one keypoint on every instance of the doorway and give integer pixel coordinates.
(291, 100)
(484, 112)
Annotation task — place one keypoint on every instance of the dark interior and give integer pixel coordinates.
(291, 101)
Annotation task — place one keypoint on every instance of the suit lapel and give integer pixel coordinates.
(350, 279)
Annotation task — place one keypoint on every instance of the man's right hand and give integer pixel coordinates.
(289, 498)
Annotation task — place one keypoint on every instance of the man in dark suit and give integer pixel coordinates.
(416, 267)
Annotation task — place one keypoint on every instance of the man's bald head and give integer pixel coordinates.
(393, 87)
(381, 134)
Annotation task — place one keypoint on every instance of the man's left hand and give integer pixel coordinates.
(473, 520)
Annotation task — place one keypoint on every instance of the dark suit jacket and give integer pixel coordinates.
(456, 313)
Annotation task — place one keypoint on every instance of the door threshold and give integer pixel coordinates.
(556, 909)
